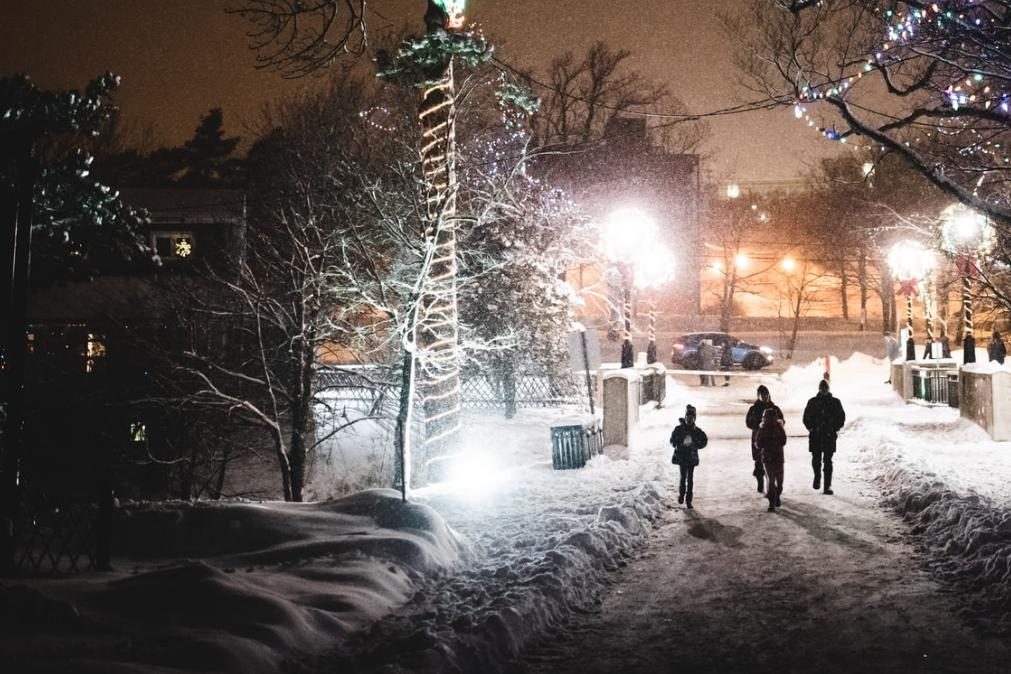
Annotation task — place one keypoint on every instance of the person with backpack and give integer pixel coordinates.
(823, 418)
(753, 421)
(771, 439)
(687, 439)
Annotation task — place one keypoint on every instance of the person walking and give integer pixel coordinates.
(892, 352)
(707, 357)
(823, 418)
(771, 439)
(753, 420)
(996, 349)
(687, 439)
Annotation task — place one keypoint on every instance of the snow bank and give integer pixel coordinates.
(544, 544)
(259, 585)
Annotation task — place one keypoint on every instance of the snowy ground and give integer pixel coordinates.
(306, 587)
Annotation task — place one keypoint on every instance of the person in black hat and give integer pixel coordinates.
(754, 420)
(823, 417)
(687, 439)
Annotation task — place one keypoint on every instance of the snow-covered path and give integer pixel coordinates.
(827, 584)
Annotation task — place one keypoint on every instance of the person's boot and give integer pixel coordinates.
(681, 497)
(761, 483)
(817, 481)
(828, 484)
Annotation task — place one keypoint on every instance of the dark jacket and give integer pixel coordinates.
(771, 438)
(823, 417)
(754, 420)
(997, 351)
(687, 455)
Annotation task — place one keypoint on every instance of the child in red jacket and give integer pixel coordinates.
(770, 440)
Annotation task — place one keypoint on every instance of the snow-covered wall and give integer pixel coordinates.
(984, 395)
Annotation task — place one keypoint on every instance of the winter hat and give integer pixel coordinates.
(690, 411)
(769, 413)
(763, 389)
(823, 386)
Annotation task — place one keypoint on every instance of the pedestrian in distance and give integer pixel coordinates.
(726, 362)
(687, 439)
(707, 359)
(823, 418)
(892, 352)
(996, 349)
(771, 439)
(753, 420)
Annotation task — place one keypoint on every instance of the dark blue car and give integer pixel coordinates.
(685, 352)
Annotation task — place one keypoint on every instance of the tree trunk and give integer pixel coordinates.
(844, 287)
(402, 439)
(16, 214)
(282, 462)
(437, 339)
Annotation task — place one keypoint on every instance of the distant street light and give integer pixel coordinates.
(741, 261)
(965, 234)
(629, 234)
(655, 266)
(910, 263)
(789, 264)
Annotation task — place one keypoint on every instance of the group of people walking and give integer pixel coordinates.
(823, 417)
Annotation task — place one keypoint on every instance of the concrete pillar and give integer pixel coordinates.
(621, 406)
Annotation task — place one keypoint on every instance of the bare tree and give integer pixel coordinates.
(583, 94)
(925, 81)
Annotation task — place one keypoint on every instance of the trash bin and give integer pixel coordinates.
(953, 390)
(572, 446)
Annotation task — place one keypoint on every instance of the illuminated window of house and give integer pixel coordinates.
(94, 352)
(138, 432)
(174, 245)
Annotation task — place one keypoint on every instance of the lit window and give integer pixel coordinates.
(94, 352)
(138, 432)
(173, 245)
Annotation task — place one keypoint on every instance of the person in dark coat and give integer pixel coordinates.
(996, 349)
(726, 362)
(687, 439)
(771, 439)
(754, 420)
(823, 417)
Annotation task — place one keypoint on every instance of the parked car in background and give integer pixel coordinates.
(685, 352)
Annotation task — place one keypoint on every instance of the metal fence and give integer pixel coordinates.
(931, 384)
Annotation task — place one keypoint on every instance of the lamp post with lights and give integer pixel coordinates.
(910, 263)
(965, 234)
(655, 267)
(628, 234)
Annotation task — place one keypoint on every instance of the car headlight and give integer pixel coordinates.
(766, 350)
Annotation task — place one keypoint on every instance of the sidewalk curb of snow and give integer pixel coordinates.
(966, 538)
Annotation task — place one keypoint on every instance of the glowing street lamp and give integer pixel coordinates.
(628, 234)
(655, 267)
(910, 263)
(965, 234)
(788, 264)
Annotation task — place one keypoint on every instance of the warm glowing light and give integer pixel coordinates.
(910, 261)
(733, 190)
(627, 234)
(789, 264)
(965, 230)
(741, 261)
(654, 266)
(454, 12)
(867, 169)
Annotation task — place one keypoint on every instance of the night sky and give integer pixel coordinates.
(179, 58)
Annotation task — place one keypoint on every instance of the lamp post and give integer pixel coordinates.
(965, 234)
(628, 234)
(656, 265)
(910, 263)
